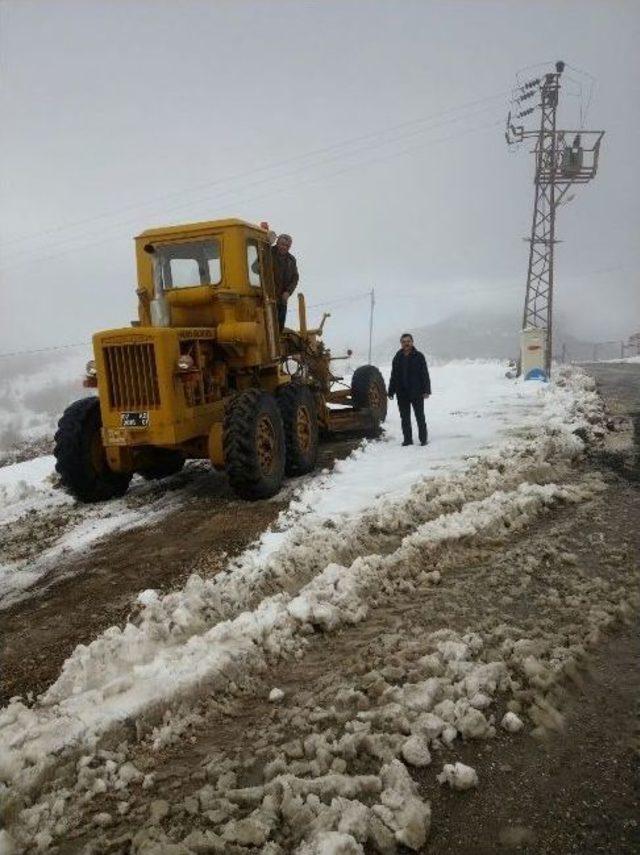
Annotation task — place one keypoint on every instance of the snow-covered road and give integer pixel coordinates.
(482, 427)
(473, 407)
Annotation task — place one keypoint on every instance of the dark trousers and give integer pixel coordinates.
(282, 314)
(404, 405)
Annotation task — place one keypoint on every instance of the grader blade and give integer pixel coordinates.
(348, 420)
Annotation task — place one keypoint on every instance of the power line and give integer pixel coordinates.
(230, 193)
(44, 349)
(361, 296)
(110, 238)
(238, 176)
(340, 300)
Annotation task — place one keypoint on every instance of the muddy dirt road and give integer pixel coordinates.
(571, 790)
(619, 383)
(536, 615)
(99, 586)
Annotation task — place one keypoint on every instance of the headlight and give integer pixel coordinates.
(91, 370)
(185, 362)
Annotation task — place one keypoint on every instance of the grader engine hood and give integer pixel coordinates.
(156, 385)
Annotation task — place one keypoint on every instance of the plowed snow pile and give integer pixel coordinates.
(501, 453)
(34, 390)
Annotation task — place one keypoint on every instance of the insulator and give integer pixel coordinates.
(526, 96)
(531, 83)
(526, 112)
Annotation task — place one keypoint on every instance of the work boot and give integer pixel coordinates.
(409, 442)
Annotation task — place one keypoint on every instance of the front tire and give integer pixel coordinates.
(80, 456)
(254, 445)
(300, 421)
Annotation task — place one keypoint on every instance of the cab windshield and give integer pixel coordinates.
(183, 265)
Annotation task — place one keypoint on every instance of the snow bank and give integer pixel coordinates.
(34, 390)
(27, 486)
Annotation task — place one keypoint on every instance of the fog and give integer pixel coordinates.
(370, 131)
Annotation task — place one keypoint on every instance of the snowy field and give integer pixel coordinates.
(341, 537)
(34, 390)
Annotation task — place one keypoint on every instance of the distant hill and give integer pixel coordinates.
(472, 335)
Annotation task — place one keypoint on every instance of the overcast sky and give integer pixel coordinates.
(371, 131)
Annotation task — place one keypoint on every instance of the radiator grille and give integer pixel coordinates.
(132, 376)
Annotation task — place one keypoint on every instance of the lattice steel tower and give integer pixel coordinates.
(563, 158)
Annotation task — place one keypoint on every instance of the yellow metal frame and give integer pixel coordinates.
(231, 328)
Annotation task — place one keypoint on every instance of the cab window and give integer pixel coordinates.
(183, 265)
(253, 264)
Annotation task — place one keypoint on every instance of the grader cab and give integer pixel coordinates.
(205, 373)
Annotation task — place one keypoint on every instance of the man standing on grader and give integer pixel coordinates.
(285, 274)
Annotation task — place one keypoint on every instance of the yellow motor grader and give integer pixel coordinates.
(205, 373)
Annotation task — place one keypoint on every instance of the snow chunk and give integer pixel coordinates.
(331, 843)
(473, 725)
(401, 809)
(512, 723)
(354, 817)
(7, 846)
(148, 597)
(128, 773)
(252, 831)
(455, 651)
(416, 751)
(458, 776)
(276, 695)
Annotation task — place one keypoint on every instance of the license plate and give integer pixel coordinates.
(134, 420)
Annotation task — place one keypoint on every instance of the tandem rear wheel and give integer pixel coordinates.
(300, 421)
(254, 444)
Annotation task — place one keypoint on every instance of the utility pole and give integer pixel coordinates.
(371, 307)
(563, 158)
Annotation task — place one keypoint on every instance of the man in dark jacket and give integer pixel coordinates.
(410, 381)
(285, 274)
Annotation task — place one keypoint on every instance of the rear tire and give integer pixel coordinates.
(254, 445)
(167, 463)
(300, 421)
(369, 391)
(80, 456)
